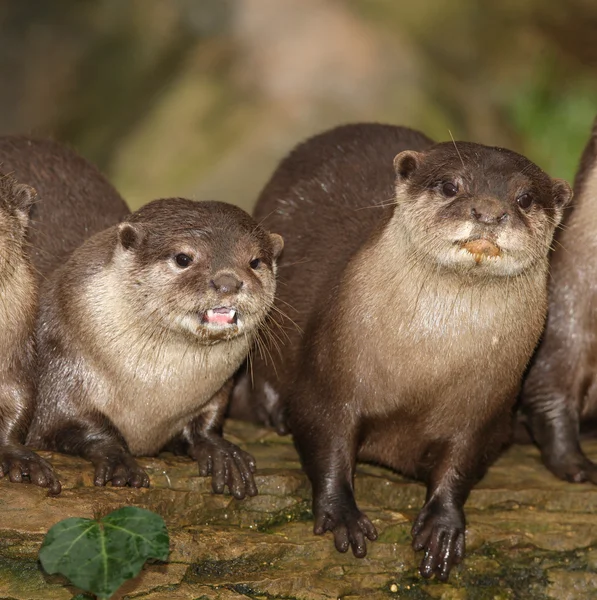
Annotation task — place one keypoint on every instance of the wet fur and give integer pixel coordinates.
(559, 397)
(74, 200)
(123, 363)
(18, 305)
(402, 350)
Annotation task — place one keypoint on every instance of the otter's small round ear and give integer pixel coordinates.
(562, 192)
(129, 236)
(406, 163)
(24, 196)
(277, 244)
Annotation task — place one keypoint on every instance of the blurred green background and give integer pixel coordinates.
(201, 98)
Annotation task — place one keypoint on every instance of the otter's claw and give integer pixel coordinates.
(575, 468)
(228, 466)
(121, 470)
(350, 527)
(20, 464)
(440, 532)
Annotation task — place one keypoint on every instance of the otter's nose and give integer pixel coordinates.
(226, 283)
(489, 211)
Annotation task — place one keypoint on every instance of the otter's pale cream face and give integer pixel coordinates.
(211, 280)
(193, 294)
(478, 210)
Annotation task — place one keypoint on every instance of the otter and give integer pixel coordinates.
(140, 332)
(74, 200)
(18, 289)
(559, 396)
(414, 298)
(45, 216)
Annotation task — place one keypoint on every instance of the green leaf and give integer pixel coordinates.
(99, 556)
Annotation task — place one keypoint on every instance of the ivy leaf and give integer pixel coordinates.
(99, 556)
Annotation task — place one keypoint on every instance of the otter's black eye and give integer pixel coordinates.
(183, 260)
(449, 189)
(254, 264)
(525, 201)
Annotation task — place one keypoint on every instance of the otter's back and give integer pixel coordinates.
(74, 202)
(326, 199)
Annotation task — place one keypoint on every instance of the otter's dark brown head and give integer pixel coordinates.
(201, 268)
(15, 203)
(476, 208)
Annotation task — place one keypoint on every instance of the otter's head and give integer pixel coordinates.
(204, 269)
(15, 204)
(478, 209)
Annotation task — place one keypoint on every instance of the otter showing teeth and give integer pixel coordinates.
(139, 339)
(220, 316)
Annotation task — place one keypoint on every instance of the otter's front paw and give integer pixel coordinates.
(20, 464)
(121, 470)
(439, 531)
(574, 467)
(350, 528)
(228, 465)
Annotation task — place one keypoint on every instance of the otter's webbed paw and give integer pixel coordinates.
(439, 530)
(121, 469)
(574, 467)
(228, 465)
(20, 464)
(349, 525)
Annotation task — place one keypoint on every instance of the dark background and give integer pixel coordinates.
(202, 97)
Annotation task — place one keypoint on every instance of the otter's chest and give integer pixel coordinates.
(444, 359)
(151, 398)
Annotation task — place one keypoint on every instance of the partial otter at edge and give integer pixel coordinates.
(74, 200)
(18, 306)
(559, 396)
(419, 294)
(139, 335)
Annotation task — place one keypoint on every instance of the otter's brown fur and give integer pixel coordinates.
(18, 305)
(74, 200)
(559, 396)
(418, 294)
(129, 359)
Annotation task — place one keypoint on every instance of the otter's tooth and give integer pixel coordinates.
(210, 314)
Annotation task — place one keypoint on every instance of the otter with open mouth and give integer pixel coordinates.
(418, 295)
(140, 332)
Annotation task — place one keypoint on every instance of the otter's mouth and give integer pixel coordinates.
(221, 316)
(481, 248)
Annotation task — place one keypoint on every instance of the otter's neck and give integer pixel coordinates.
(409, 292)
